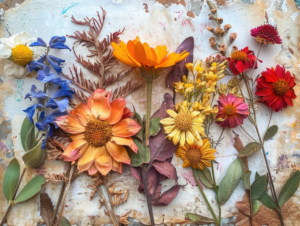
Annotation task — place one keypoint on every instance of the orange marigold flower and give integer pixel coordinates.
(99, 131)
(137, 54)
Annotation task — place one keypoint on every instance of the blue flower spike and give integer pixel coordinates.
(65, 91)
(30, 111)
(39, 94)
(39, 42)
(57, 42)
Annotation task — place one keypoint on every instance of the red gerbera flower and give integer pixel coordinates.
(232, 109)
(241, 60)
(266, 34)
(275, 86)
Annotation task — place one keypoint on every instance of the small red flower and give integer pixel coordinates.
(266, 34)
(275, 86)
(232, 109)
(241, 60)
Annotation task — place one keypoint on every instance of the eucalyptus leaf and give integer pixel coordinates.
(198, 219)
(202, 177)
(259, 186)
(267, 200)
(64, 222)
(230, 181)
(255, 206)
(256, 175)
(30, 189)
(249, 149)
(35, 157)
(154, 126)
(247, 180)
(31, 141)
(26, 125)
(11, 178)
(142, 155)
(289, 188)
(244, 167)
(271, 132)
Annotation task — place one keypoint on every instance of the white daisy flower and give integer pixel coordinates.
(18, 53)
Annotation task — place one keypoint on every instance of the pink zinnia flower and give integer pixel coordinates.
(232, 109)
(266, 34)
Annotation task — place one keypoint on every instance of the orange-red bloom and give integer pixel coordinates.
(137, 54)
(275, 87)
(99, 131)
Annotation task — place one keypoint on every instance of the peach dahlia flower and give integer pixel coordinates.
(99, 131)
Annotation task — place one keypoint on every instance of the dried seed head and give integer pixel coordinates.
(213, 43)
(220, 32)
(232, 37)
(213, 11)
(211, 17)
(222, 49)
(227, 27)
(211, 29)
(219, 20)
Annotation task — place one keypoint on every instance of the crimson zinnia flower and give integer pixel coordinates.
(232, 109)
(241, 60)
(266, 34)
(275, 86)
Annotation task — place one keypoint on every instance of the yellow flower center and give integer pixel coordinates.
(239, 55)
(21, 55)
(183, 121)
(281, 86)
(194, 154)
(229, 109)
(97, 133)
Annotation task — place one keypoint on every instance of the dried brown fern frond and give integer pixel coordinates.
(54, 149)
(98, 181)
(103, 62)
(60, 177)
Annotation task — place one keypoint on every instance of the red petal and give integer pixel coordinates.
(240, 66)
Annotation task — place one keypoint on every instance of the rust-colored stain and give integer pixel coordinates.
(190, 14)
(167, 3)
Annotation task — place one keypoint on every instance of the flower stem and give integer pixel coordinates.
(12, 203)
(259, 48)
(147, 194)
(65, 195)
(204, 196)
(215, 186)
(149, 84)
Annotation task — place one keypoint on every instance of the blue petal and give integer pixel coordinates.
(65, 91)
(56, 39)
(28, 95)
(39, 42)
(58, 60)
(56, 114)
(39, 94)
(59, 81)
(54, 65)
(34, 65)
(42, 59)
(61, 104)
(45, 75)
(42, 115)
(30, 111)
(59, 45)
(48, 134)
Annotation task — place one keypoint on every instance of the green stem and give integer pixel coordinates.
(204, 196)
(215, 186)
(148, 107)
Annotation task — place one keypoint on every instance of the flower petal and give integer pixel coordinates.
(70, 124)
(92, 170)
(117, 108)
(125, 128)
(83, 113)
(87, 159)
(125, 141)
(117, 166)
(118, 152)
(75, 150)
(100, 105)
(103, 160)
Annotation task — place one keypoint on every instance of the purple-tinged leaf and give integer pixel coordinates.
(151, 178)
(137, 174)
(179, 70)
(160, 147)
(157, 193)
(166, 169)
(167, 197)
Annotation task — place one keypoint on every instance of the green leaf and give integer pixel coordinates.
(255, 206)
(230, 181)
(30, 189)
(259, 186)
(64, 222)
(24, 131)
(247, 180)
(267, 201)
(198, 219)
(271, 132)
(256, 175)
(154, 126)
(202, 177)
(11, 178)
(139, 120)
(142, 155)
(249, 149)
(289, 188)
(31, 142)
(35, 156)
(243, 165)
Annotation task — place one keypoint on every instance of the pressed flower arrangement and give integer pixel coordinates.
(95, 131)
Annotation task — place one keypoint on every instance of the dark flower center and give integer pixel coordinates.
(229, 109)
(281, 87)
(239, 55)
(194, 155)
(97, 133)
(183, 121)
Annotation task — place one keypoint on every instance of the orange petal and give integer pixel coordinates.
(70, 124)
(148, 51)
(125, 141)
(170, 60)
(93, 169)
(118, 152)
(125, 128)
(161, 53)
(87, 159)
(77, 137)
(127, 113)
(100, 105)
(154, 54)
(117, 108)
(129, 53)
(139, 53)
(103, 160)
(117, 166)
(83, 113)
(124, 59)
(183, 55)
(75, 150)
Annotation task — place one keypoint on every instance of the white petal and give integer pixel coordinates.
(30, 40)
(21, 38)
(14, 70)
(38, 52)
(5, 51)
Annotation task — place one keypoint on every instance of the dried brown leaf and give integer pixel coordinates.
(47, 209)
(238, 145)
(123, 218)
(244, 207)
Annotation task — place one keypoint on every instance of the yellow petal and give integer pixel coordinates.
(87, 159)
(172, 113)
